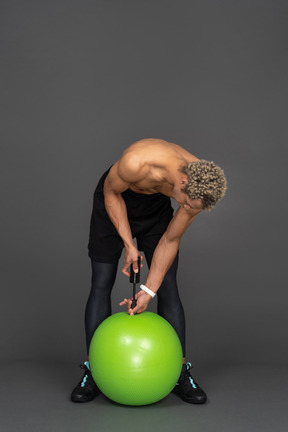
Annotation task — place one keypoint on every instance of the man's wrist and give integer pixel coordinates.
(147, 290)
(129, 245)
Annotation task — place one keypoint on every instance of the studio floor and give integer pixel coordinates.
(35, 397)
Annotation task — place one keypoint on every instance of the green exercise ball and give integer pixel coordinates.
(135, 359)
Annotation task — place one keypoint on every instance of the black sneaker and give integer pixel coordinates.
(86, 390)
(188, 389)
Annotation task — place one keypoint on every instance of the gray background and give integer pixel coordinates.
(82, 80)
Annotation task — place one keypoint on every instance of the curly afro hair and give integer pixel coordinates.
(205, 181)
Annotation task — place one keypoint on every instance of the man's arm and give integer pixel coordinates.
(168, 246)
(121, 175)
(163, 256)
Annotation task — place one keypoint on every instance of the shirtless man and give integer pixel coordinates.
(132, 200)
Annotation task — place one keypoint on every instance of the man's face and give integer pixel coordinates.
(184, 201)
(194, 204)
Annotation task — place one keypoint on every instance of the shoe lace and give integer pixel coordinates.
(85, 376)
(192, 382)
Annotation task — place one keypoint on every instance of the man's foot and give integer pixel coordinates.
(188, 389)
(86, 390)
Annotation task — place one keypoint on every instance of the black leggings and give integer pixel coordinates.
(98, 306)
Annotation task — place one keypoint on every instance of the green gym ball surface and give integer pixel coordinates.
(135, 359)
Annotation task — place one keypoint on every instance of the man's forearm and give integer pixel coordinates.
(162, 260)
(168, 246)
(117, 211)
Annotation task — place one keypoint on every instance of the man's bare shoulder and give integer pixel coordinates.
(122, 174)
(131, 167)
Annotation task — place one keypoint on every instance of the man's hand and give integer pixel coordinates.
(142, 302)
(131, 257)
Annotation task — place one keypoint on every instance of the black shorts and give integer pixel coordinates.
(148, 215)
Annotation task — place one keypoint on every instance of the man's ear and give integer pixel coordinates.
(183, 180)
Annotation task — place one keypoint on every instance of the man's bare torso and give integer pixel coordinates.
(158, 161)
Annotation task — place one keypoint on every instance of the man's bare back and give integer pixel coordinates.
(156, 164)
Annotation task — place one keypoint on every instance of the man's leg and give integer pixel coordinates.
(170, 307)
(98, 308)
(105, 247)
